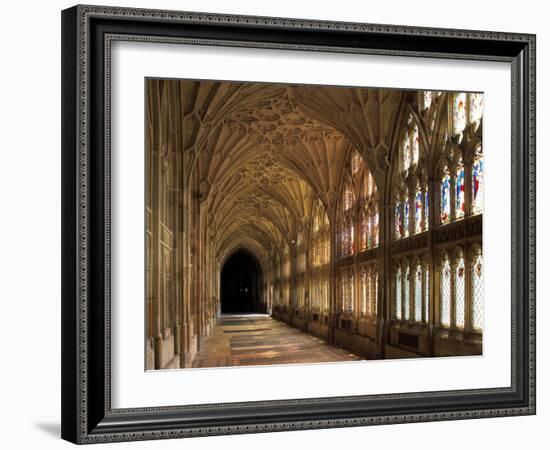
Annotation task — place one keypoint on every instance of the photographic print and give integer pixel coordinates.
(298, 224)
(301, 198)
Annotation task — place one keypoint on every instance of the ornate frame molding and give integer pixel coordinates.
(87, 32)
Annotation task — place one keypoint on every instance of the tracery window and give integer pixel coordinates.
(348, 198)
(368, 283)
(347, 234)
(368, 212)
(460, 291)
(404, 282)
(398, 294)
(477, 292)
(398, 220)
(445, 215)
(463, 173)
(477, 181)
(347, 289)
(445, 292)
(460, 204)
(406, 151)
(428, 107)
(411, 180)
(459, 113)
(346, 237)
(319, 257)
(418, 213)
(475, 112)
(410, 145)
(365, 230)
(406, 214)
(457, 302)
(418, 293)
(374, 226)
(406, 293)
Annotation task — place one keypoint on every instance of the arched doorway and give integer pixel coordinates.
(241, 284)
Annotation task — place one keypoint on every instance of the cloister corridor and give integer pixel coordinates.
(295, 224)
(258, 339)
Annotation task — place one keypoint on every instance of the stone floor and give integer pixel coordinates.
(254, 339)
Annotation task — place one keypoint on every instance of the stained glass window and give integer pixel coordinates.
(460, 276)
(477, 293)
(406, 215)
(406, 294)
(475, 108)
(445, 198)
(459, 113)
(398, 292)
(418, 293)
(418, 218)
(375, 227)
(369, 185)
(348, 198)
(445, 288)
(477, 182)
(347, 285)
(406, 150)
(346, 238)
(459, 199)
(365, 230)
(415, 144)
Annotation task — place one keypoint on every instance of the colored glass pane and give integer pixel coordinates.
(406, 294)
(445, 198)
(459, 113)
(460, 276)
(418, 294)
(475, 108)
(477, 185)
(418, 217)
(398, 292)
(459, 199)
(415, 144)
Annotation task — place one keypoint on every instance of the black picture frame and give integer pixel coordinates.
(87, 416)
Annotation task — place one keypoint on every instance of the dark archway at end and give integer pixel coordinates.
(241, 284)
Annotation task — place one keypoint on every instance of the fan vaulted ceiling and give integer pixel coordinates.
(266, 152)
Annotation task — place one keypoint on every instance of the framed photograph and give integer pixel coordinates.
(280, 224)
